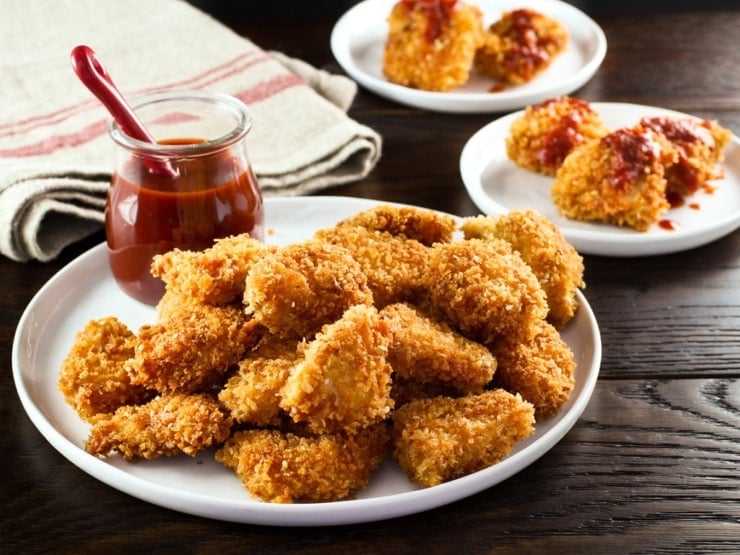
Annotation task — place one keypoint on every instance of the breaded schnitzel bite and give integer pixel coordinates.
(431, 43)
(618, 179)
(252, 395)
(93, 376)
(541, 138)
(213, 276)
(540, 369)
(394, 265)
(700, 145)
(520, 45)
(284, 468)
(557, 265)
(427, 350)
(426, 226)
(192, 352)
(301, 287)
(484, 288)
(165, 426)
(439, 439)
(343, 382)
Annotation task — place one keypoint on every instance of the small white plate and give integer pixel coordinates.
(201, 486)
(359, 36)
(497, 185)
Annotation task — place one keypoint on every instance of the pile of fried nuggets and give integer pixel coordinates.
(305, 365)
(434, 45)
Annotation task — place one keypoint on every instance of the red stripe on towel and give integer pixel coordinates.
(48, 146)
(203, 79)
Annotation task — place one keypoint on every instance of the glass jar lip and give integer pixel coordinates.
(231, 103)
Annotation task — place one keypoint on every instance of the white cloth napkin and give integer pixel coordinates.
(55, 154)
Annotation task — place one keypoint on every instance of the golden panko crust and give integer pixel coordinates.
(619, 179)
(557, 265)
(540, 369)
(540, 139)
(484, 288)
(427, 350)
(301, 287)
(213, 276)
(520, 45)
(167, 425)
(93, 377)
(284, 468)
(431, 44)
(426, 226)
(343, 382)
(439, 439)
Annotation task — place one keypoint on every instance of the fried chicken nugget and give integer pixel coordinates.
(484, 288)
(700, 145)
(427, 350)
(165, 426)
(541, 369)
(431, 43)
(439, 439)
(93, 376)
(540, 139)
(301, 287)
(557, 265)
(343, 382)
(520, 46)
(618, 179)
(283, 467)
(252, 395)
(213, 276)
(192, 351)
(426, 226)
(394, 265)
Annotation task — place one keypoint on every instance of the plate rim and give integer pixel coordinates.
(601, 240)
(307, 514)
(461, 102)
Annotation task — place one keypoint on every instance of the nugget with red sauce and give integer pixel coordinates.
(520, 45)
(541, 138)
(432, 43)
(700, 145)
(618, 179)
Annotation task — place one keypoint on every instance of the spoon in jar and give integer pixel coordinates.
(94, 76)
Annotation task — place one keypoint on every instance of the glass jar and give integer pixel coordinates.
(194, 185)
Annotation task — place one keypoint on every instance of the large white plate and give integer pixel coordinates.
(497, 185)
(359, 36)
(201, 486)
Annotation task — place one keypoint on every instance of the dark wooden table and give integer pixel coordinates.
(653, 465)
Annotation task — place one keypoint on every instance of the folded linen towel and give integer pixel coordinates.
(55, 154)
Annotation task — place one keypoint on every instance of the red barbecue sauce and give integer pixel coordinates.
(148, 213)
(437, 13)
(529, 50)
(565, 135)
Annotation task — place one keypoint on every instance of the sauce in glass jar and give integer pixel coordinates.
(208, 191)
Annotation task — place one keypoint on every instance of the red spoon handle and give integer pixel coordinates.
(94, 76)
